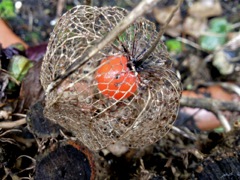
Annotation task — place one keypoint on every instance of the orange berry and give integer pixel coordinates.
(115, 80)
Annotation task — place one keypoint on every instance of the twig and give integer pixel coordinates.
(9, 131)
(230, 86)
(10, 76)
(138, 11)
(161, 32)
(234, 26)
(12, 124)
(208, 103)
(60, 6)
(191, 43)
(226, 85)
(20, 115)
(235, 59)
(188, 135)
(222, 119)
(214, 106)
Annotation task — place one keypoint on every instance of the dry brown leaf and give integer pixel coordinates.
(9, 37)
(31, 89)
(162, 14)
(174, 31)
(205, 9)
(194, 26)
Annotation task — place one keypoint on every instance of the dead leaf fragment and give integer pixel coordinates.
(221, 62)
(194, 26)
(31, 89)
(162, 14)
(205, 9)
(9, 37)
(234, 37)
(174, 31)
(5, 114)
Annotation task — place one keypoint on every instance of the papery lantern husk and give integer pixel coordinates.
(80, 107)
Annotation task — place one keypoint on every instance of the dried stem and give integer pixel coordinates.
(161, 32)
(9, 131)
(12, 124)
(222, 119)
(214, 106)
(188, 134)
(60, 6)
(138, 11)
(226, 85)
(208, 103)
(191, 43)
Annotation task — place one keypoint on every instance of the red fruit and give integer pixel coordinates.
(115, 80)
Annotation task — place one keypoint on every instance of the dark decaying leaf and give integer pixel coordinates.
(70, 160)
(36, 53)
(31, 90)
(40, 125)
(65, 163)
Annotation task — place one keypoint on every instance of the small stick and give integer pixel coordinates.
(9, 131)
(161, 32)
(222, 120)
(226, 85)
(214, 106)
(20, 115)
(183, 133)
(12, 124)
(193, 44)
(60, 6)
(210, 104)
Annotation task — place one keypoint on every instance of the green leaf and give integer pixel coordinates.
(174, 46)
(7, 9)
(219, 25)
(123, 37)
(19, 66)
(219, 130)
(18, 46)
(218, 29)
(210, 43)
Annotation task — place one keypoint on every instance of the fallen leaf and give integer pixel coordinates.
(9, 37)
(31, 89)
(216, 36)
(174, 46)
(36, 53)
(174, 31)
(19, 66)
(162, 14)
(194, 26)
(205, 9)
(222, 63)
